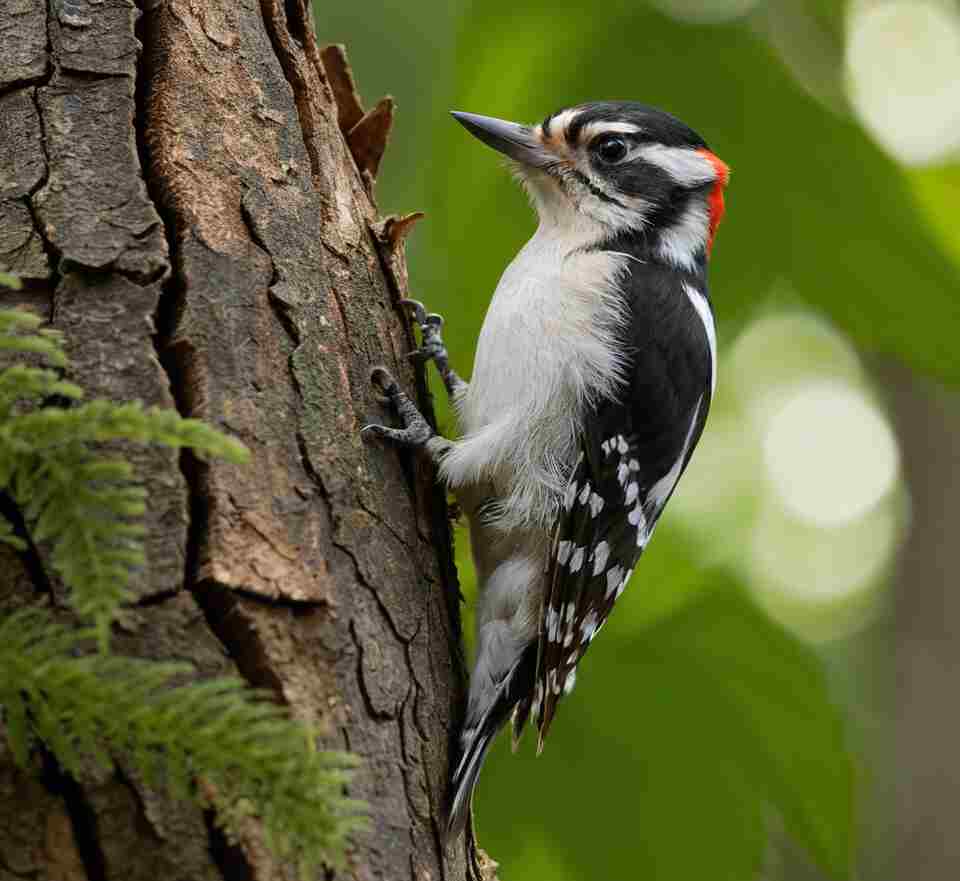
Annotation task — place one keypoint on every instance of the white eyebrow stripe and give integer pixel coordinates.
(686, 166)
(592, 129)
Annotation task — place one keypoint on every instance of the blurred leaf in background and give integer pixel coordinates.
(701, 727)
(668, 767)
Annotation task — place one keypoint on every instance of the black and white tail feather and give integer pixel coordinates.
(478, 734)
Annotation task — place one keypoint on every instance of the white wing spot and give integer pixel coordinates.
(582, 499)
(622, 472)
(552, 625)
(588, 627)
(621, 444)
(633, 465)
(632, 492)
(614, 579)
(570, 495)
(576, 561)
(570, 681)
(563, 551)
(600, 556)
(596, 504)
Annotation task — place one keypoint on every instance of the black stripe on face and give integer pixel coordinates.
(545, 126)
(600, 194)
(572, 134)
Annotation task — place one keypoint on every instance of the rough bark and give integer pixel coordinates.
(187, 189)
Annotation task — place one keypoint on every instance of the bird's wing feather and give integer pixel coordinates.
(632, 453)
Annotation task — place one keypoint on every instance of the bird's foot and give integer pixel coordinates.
(431, 325)
(416, 432)
(432, 347)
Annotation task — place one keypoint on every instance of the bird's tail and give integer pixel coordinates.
(477, 736)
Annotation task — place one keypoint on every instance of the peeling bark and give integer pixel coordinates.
(197, 217)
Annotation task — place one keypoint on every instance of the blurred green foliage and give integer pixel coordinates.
(698, 725)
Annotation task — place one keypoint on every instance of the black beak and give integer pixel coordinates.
(514, 140)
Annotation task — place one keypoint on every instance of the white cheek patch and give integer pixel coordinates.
(687, 238)
(686, 166)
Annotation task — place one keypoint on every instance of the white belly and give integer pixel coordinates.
(546, 349)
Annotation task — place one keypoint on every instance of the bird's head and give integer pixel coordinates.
(628, 168)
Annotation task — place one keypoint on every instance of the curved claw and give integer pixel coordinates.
(383, 379)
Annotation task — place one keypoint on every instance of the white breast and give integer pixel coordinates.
(546, 349)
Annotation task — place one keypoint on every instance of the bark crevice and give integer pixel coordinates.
(31, 557)
(54, 256)
(229, 857)
(82, 816)
(293, 22)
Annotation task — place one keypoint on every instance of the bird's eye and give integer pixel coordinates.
(611, 149)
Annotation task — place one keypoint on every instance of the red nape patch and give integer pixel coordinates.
(716, 194)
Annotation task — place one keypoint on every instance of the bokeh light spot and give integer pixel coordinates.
(903, 72)
(821, 583)
(781, 350)
(830, 454)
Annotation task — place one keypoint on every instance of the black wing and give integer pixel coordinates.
(632, 453)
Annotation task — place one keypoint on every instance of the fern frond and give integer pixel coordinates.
(8, 280)
(216, 742)
(9, 538)
(243, 748)
(88, 508)
(102, 420)
(32, 384)
(85, 505)
(21, 331)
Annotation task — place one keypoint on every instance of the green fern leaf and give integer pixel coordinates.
(83, 705)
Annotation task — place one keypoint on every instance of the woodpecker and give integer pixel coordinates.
(594, 371)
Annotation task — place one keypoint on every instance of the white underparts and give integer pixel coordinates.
(549, 347)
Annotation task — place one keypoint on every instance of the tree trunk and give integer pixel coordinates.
(187, 189)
